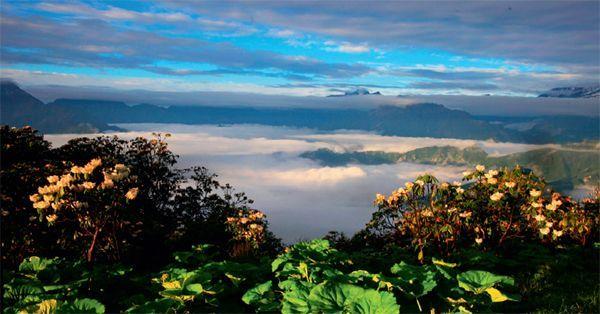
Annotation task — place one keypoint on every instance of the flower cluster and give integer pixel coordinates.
(89, 196)
(494, 207)
(50, 198)
(248, 225)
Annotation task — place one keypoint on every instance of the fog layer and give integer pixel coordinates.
(301, 198)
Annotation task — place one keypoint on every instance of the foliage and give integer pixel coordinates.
(53, 285)
(95, 199)
(23, 167)
(469, 237)
(313, 277)
(173, 209)
(492, 209)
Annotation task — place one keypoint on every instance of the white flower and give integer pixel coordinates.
(52, 179)
(478, 240)
(379, 199)
(460, 190)
(465, 215)
(496, 196)
(536, 205)
(420, 182)
(466, 173)
(132, 194)
(551, 206)
(41, 205)
(549, 224)
(545, 231)
(427, 213)
(456, 183)
(557, 203)
(444, 185)
(76, 169)
(493, 181)
(480, 168)
(557, 233)
(88, 185)
(540, 217)
(409, 185)
(510, 184)
(535, 193)
(51, 218)
(493, 173)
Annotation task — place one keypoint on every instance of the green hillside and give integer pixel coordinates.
(330, 158)
(562, 168)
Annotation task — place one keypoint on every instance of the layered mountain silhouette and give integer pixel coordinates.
(573, 92)
(19, 108)
(356, 92)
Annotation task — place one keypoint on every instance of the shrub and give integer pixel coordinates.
(490, 209)
(174, 208)
(93, 200)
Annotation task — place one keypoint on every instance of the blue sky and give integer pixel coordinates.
(305, 47)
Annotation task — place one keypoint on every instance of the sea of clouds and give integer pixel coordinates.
(301, 198)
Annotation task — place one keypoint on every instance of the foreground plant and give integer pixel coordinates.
(92, 200)
(48, 286)
(488, 210)
(312, 277)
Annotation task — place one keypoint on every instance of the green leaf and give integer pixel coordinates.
(477, 281)
(414, 280)
(373, 302)
(35, 264)
(195, 288)
(256, 294)
(296, 300)
(278, 261)
(262, 297)
(23, 293)
(82, 306)
(333, 297)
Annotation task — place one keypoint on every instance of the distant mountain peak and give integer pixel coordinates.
(573, 92)
(360, 91)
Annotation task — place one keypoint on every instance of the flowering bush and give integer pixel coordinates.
(92, 200)
(248, 229)
(489, 209)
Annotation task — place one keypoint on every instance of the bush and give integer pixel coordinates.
(488, 211)
(173, 209)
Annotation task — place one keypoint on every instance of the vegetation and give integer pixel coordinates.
(564, 168)
(96, 214)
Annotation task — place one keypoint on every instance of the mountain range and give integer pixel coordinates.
(418, 120)
(573, 92)
(356, 92)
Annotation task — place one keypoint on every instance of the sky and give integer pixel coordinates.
(303, 48)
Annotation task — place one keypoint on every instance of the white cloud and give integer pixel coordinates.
(301, 199)
(347, 47)
(281, 33)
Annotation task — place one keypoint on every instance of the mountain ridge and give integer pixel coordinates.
(416, 120)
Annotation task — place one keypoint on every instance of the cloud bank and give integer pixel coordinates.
(301, 198)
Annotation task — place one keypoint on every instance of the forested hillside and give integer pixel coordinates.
(563, 168)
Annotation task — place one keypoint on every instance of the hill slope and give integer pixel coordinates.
(562, 168)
